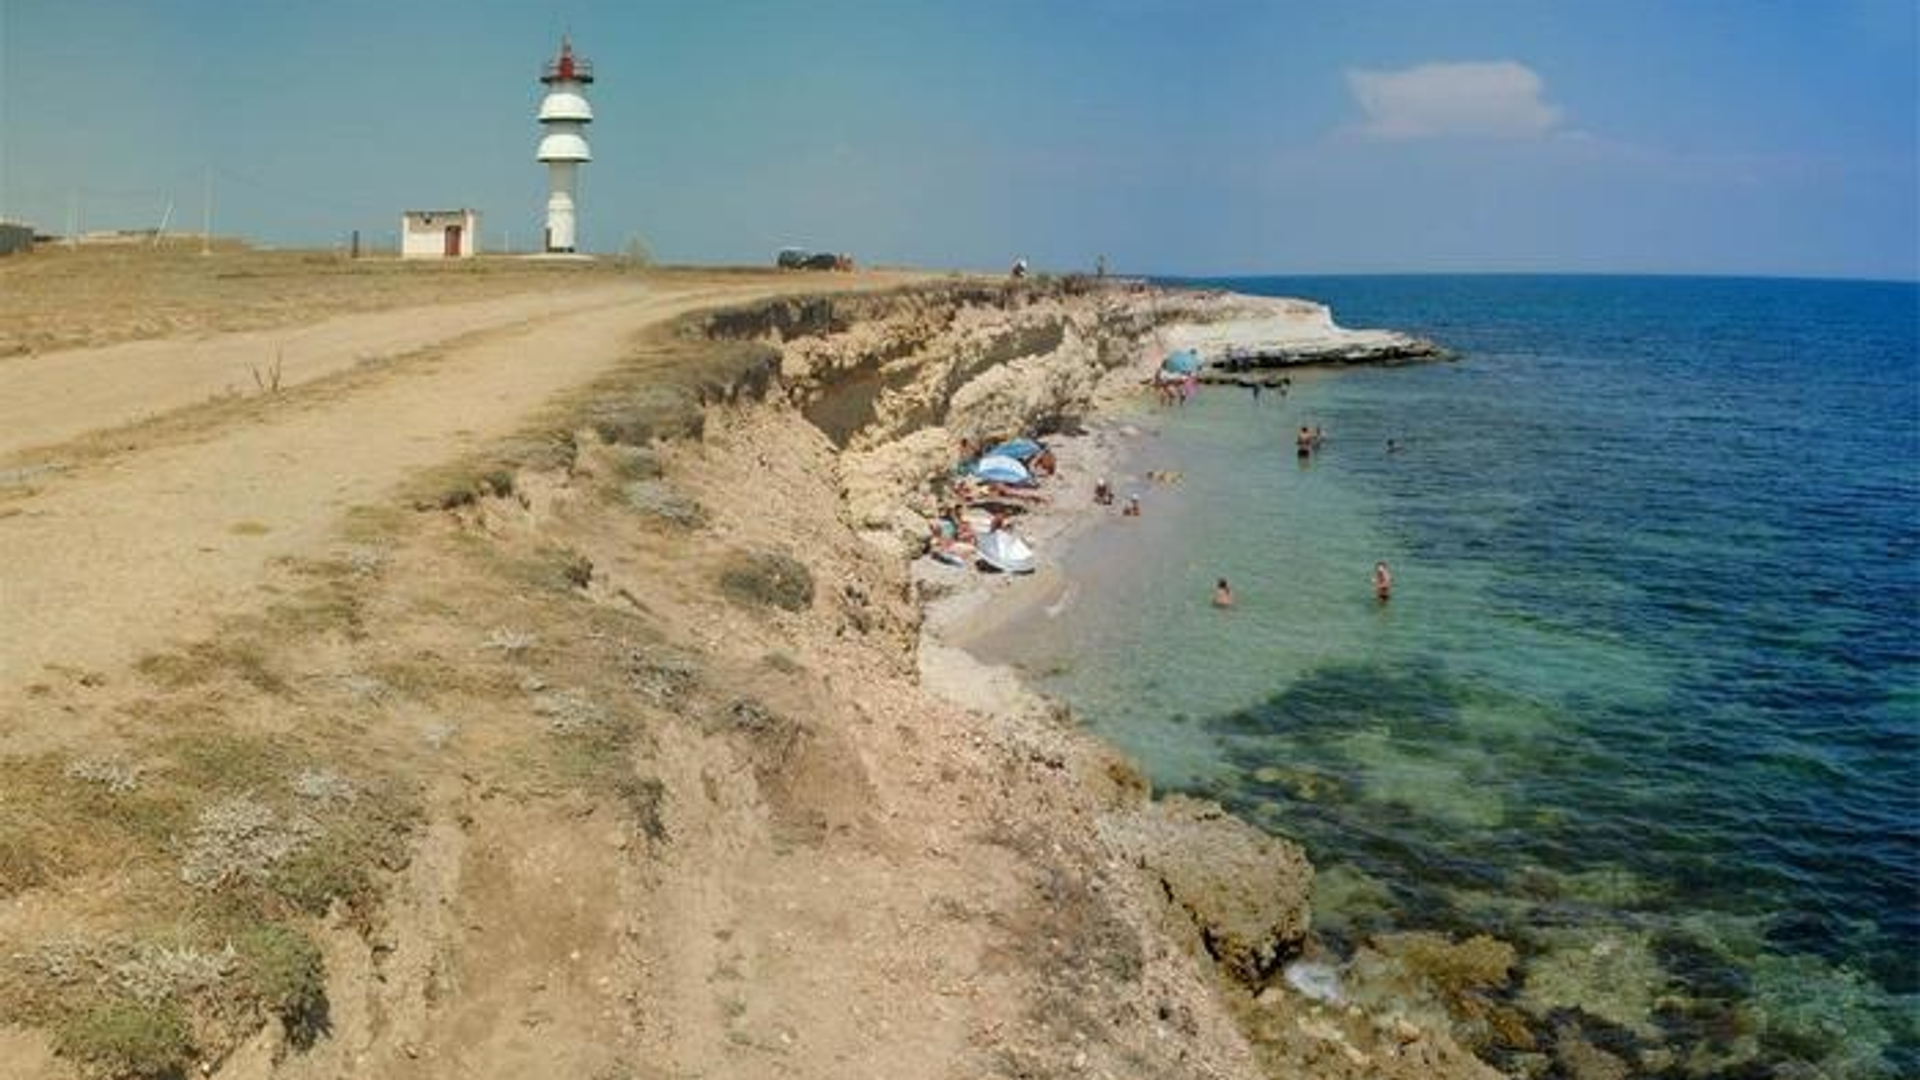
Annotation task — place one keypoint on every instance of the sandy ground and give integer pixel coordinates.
(109, 561)
(56, 396)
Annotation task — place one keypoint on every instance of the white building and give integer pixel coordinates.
(439, 234)
(564, 116)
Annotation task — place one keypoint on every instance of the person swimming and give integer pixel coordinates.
(1222, 594)
(1303, 442)
(1382, 582)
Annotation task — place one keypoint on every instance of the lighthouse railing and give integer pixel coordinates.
(554, 70)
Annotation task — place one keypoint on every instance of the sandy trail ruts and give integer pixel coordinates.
(105, 565)
(53, 397)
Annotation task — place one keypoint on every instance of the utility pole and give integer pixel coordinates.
(73, 218)
(206, 216)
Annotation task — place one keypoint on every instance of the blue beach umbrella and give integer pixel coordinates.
(1017, 449)
(1181, 362)
(1002, 470)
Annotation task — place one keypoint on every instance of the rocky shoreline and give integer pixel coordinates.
(1256, 341)
(1233, 899)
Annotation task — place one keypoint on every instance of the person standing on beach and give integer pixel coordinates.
(1382, 582)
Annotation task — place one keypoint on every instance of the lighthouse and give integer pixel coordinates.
(564, 116)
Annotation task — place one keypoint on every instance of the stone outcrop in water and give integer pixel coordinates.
(1246, 891)
(1253, 340)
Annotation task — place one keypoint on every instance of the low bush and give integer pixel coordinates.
(287, 976)
(768, 579)
(121, 1039)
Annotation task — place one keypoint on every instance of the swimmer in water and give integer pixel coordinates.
(1382, 582)
(1222, 594)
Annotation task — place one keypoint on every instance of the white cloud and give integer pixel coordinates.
(1499, 99)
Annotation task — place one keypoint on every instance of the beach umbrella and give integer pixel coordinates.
(1002, 470)
(1006, 553)
(1017, 449)
(1181, 362)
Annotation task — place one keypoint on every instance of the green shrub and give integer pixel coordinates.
(126, 1040)
(288, 977)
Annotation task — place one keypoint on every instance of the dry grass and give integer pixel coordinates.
(60, 299)
(767, 579)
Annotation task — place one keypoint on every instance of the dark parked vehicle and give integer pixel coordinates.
(802, 259)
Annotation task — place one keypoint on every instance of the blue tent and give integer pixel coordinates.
(1017, 449)
(1003, 470)
(1181, 362)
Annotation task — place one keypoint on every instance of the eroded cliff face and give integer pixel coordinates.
(896, 381)
(1173, 913)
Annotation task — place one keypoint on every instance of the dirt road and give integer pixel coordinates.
(109, 562)
(48, 398)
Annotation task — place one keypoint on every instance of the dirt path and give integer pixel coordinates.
(49, 398)
(107, 564)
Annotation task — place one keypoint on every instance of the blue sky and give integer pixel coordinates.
(1173, 136)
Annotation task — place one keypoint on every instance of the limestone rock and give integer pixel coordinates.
(1247, 892)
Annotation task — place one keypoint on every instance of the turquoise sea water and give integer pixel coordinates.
(1646, 701)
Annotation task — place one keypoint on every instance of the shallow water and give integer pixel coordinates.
(1646, 700)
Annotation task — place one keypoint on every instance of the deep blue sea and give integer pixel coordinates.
(1646, 700)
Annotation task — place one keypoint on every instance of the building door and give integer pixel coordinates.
(453, 242)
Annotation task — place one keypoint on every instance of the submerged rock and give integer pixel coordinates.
(1247, 892)
(1320, 982)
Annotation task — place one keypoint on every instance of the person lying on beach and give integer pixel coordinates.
(1222, 594)
(956, 523)
(1013, 494)
(1382, 582)
(1133, 507)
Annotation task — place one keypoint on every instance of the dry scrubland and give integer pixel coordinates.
(61, 298)
(601, 751)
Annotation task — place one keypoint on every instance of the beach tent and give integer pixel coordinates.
(1181, 362)
(1006, 553)
(1017, 449)
(1003, 470)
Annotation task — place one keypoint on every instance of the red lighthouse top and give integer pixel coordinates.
(567, 67)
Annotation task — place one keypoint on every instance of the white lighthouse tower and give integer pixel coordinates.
(564, 116)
